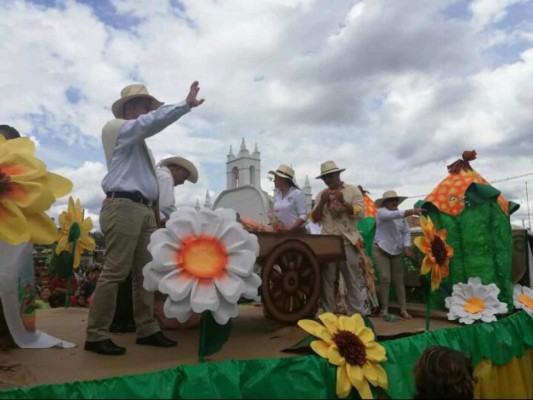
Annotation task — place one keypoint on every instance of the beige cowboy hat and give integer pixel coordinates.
(284, 171)
(131, 92)
(183, 163)
(329, 167)
(389, 194)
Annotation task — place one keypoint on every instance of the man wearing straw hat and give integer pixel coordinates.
(337, 209)
(173, 171)
(129, 214)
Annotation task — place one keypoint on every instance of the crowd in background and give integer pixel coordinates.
(51, 289)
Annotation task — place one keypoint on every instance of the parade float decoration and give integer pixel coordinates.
(476, 218)
(474, 301)
(437, 255)
(203, 260)
(348, 344)
(27, 191)
(367, 225)
(73, 240)
(523, 298)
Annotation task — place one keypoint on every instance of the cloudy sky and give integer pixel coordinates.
(392, 90)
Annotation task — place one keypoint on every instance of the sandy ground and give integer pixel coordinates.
(253, 336)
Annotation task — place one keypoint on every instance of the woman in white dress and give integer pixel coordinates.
(290, 205)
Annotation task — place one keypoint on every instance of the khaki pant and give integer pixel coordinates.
(389, 266)
(352, 272)
(127, 227)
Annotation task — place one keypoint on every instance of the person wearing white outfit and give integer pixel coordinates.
(392, 239)
(290, 205)
(129, 214)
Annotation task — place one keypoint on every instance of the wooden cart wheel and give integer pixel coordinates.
(291, 282)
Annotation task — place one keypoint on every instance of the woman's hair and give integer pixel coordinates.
(9, 132)
(444, 373)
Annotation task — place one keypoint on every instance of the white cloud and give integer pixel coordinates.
(392, 92)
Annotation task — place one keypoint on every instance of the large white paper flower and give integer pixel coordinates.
(523, 298)
(204, 261)
(473, 301)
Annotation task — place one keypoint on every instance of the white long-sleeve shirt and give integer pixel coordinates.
(392, 231)
(291, 207)
(167, 201)
(131, 169)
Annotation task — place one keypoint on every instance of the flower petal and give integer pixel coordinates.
(230, 286)
(181, 310)
(316, 329)
(330, 322)
(241, 262)
(224, 312)
(343, 383)
(334, 357)
(177, 283)
(320, 347)
(41, 228)
(251, 286)
(375, 352)
(204, 296)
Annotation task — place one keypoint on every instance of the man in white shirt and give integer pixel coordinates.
(172, 171)
(128, 215)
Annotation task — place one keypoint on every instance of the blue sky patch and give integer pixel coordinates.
(74, 95)
(108, 14)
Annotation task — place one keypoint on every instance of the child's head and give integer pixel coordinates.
(444, 373)
(45, 293)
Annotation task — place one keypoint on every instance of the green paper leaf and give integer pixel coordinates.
(74, 232)
(64, 264)
(212, 335)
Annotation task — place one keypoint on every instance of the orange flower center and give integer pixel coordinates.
(350, 347)
(526, 301)
(5, 182)
(438, 249)
(474, 305)
(203, 256)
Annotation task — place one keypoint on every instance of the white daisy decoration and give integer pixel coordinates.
(204, 261)
(523, 298)
(474, 301)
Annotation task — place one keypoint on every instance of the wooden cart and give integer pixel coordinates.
(290, 271)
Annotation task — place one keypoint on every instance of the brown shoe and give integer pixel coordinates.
(157, 340)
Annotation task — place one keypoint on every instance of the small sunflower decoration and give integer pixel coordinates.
(474, 301)
(27, 191)
(523, 298)
(438, 252)
(74, 234)
(347, 343)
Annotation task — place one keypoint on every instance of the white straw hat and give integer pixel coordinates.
(183, 163)
(389, 194)
(131, 92)
(329, 167)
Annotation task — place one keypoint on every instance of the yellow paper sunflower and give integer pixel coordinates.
(347, 343)
(438, 252)
(72, 222)
(27, 190)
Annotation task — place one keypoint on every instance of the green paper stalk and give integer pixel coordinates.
(73, 235)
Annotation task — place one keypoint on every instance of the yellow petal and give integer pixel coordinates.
(376, 352)
(41, 228)
(59, 185)
(334, 357)
(427, 265)
(330, 322)
(357, 379)
(370, 373)
(14, 226)
(62, 244)
(315, 329)
(443, 234)
(366, 335)
(383, 379)
(343, 383)
(320, 347)
(359, 323)
(347, 323)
